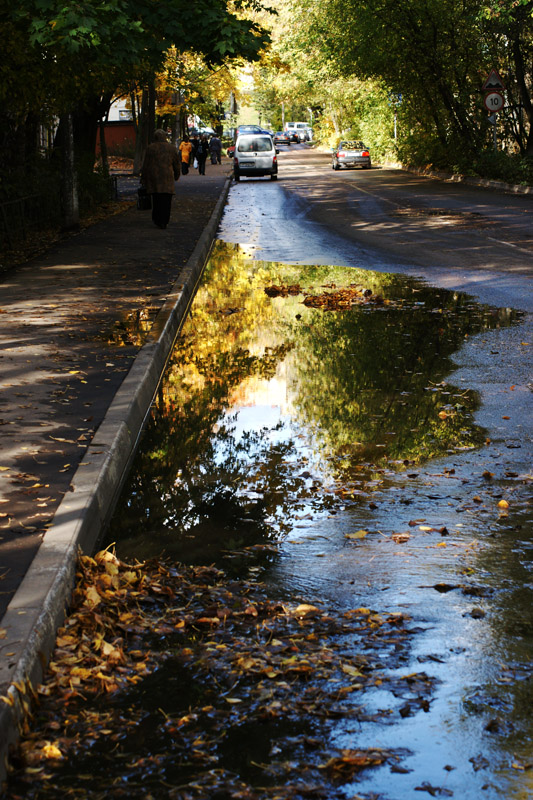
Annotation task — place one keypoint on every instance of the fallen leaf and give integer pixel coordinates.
(51, 751)
(357, 535)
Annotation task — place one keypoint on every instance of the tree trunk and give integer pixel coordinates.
(151, 109)
(69, 181)
(103, 149)
(141, 137)
(524, 92)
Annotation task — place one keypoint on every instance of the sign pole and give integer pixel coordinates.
(494, 101)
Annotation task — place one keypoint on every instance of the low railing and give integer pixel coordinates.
(20, 217)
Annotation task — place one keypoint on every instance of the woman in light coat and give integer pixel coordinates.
(161, 168)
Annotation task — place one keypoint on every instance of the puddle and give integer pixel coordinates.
(334, 458)
(273, 412)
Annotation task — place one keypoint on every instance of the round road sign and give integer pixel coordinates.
(494, 101)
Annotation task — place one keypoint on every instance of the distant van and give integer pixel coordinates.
(300, 127)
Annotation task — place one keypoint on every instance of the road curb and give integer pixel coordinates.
(39, 605)
(470, 181)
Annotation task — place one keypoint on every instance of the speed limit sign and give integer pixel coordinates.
(494, 101)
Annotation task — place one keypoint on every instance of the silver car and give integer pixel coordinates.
(255, 155)
(350, 153)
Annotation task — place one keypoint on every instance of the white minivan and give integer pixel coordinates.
(303, 129)
(255, 156)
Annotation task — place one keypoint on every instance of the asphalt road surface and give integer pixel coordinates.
(454, 235)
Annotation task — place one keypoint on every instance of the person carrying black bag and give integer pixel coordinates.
(160, 169)
(201, 153)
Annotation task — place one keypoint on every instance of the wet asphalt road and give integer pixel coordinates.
(460, 238)
(453, 235)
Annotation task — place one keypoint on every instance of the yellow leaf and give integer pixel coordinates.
(233, 700)
(353, 671)
(51, 751)
(4, 469)
(92, 596)
(503, 504)
(357, 535)
(304, 609)
(106, 648)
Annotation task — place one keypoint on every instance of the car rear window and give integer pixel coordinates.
(352, 145)
(251, 144)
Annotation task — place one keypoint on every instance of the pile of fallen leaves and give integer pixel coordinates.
(176, 679)
(339, 299)
(283, 291)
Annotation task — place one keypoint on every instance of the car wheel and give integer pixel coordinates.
(237, 177)
(336, 166)
(274, 176)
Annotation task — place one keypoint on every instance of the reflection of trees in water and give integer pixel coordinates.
(370, 381)
(361, 376)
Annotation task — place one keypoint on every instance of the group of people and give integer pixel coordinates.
(163, 164)
(197, 149)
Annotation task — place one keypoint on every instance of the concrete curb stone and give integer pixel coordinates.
(39, 605)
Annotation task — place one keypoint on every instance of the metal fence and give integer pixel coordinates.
(21, 217)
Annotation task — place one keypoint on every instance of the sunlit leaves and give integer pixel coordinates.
(257, 661)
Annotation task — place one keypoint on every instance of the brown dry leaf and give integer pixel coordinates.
(343, 767)
(400, 538)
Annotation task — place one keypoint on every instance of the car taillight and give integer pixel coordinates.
(235, 160)
(365, 153)
(341, 154)
(274, 160)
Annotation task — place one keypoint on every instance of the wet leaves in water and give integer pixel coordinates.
(217, 657)
(434, 791)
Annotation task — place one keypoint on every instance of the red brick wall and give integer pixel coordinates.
(117, 134)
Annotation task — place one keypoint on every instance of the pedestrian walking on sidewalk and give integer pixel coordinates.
(201, 153)
(215, 148)
(161, 168)
(185, 149)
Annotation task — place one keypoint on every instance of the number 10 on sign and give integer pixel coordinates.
(494, 101)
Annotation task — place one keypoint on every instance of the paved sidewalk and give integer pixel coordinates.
(85, 331)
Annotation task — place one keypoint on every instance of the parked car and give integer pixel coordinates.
(350, 153)
(255, 156)
(282, 137)
(293, 136)
(248, 129)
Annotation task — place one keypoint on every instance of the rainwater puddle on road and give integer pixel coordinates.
(331, 454)
(371, 636)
